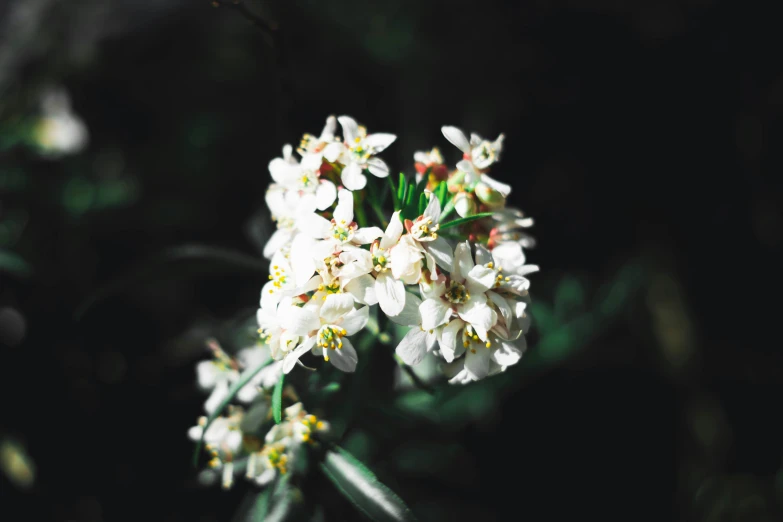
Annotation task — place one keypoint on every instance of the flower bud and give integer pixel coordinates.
(465, 204)
(489, 196)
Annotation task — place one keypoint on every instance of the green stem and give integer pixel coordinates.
(358, 209)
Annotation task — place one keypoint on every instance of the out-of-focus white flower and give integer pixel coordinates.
(325, 146)
(478, 155)
(266, 379)
(223, 440)
(59, 131)
(303, 177)
(430, 163)
(359, 153)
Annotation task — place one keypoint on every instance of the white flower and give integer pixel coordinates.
(59, 131)
(483, 360)
(321, 238)
(418, 341)
(478, 155)
(480, 152)
(359, 152)
(325, 146)
(223, 440)
(303, 178)
(290, 211)
(325, 322)
(464, 296)
(424, 229)
(389, 290)
(250, 358)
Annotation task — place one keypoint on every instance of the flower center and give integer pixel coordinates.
(306, 143)
(285, 223)
(379, 260)
(278, 278)
(470, 339)
(330, 337)
(485, 153)
(457, 293)
(423, 229)
(265, 335)
(343, 231)
(308, 180)
(277, 457)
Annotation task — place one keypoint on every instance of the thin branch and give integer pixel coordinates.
(239, 6)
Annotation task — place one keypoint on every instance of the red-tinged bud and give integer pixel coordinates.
(421, 168)
(408, 225)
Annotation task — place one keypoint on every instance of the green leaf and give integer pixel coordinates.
(13, 263)
(465, 220)
(412, 199)
(569, 297)
(360, 486)
(232, 392)
(277, 400)
(423, 200)
(401, 189)
(447, 209)
(160, 266)
(394, 193)
(442, 192)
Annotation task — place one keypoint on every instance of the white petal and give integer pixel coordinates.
(344, 358)
(483, 256)
(442, 252)
(480, 279)
(299, 321)
(410, 315)
(362, 288)
(456, 137)
(352, 177)
(335, 306)
(313, 225)
(505, 309)
(434, 313)
(413, 347)
(344, 209)
(463, 262)
(333, 151)
(468, 168)
(302, 262)
(508, 354)
(378, 167)
(356, 320)
(480, 316)
(504, 189)
(393, 232)
(325, 195)
(248, 392)
(328, 131)
(477, 364)
(366, 235)
(379, 141)
(433, 209)
(291, 358)
(390, 293)
(350, 128)
(449, 338)
(218, 394)
(277, 241)
(207, 374)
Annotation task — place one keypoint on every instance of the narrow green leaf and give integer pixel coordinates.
(13, 263)
(401, 189)
(442, 192)
(447, 209)
(261, 506)
(232, 392)
(465, 220)
(277, 400)
(394, 193)
(423, 200)
(360, 486)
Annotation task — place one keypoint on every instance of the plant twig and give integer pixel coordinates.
(240, 7)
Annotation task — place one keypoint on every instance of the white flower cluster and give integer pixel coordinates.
(464, 295)
(233, 438)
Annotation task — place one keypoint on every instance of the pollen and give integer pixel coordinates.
(457, 293)
(330, 337)
(488, 344)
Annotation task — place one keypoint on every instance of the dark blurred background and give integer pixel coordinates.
(641, 136)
